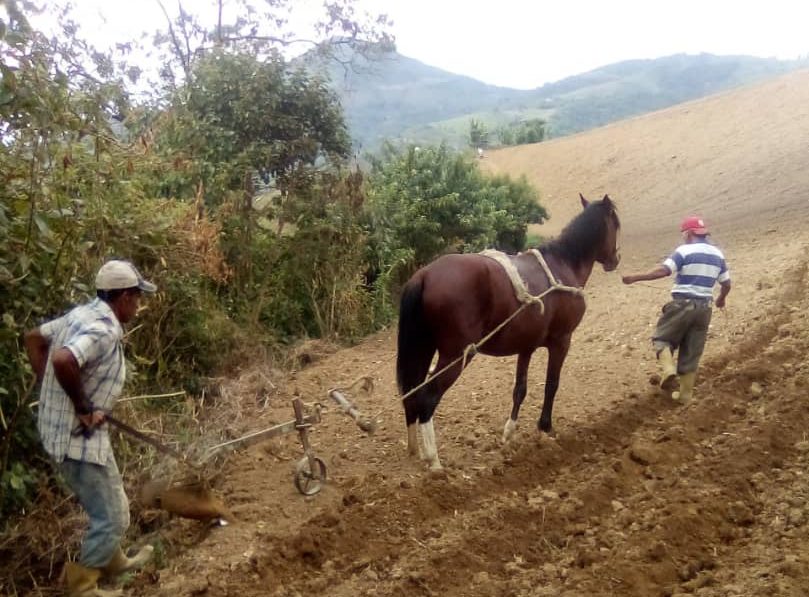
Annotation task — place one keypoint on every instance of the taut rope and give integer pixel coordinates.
(526, 298)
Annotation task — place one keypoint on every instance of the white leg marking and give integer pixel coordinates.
(511, 427)
(412, 440)
(430, 449)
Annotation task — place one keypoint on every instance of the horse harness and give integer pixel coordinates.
(520, 288)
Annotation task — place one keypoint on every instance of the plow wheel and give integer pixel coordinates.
(308, 481)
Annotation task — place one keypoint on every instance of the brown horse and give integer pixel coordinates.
(457, 300)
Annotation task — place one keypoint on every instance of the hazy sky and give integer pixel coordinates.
(525, 43)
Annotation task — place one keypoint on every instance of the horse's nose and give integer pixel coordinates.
(612, 264)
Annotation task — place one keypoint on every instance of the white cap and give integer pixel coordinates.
(117, 275)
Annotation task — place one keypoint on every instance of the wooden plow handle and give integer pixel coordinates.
(143, 437)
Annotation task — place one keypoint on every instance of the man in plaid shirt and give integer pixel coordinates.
(80, 361)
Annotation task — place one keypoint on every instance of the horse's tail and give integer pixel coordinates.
(416, 341)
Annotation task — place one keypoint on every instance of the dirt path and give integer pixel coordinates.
(635, 495)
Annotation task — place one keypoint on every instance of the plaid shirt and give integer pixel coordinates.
(93, 334)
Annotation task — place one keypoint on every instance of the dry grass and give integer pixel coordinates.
(198, 247)
(38, 544)
(309, 351)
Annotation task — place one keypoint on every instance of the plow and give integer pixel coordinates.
(191, 497)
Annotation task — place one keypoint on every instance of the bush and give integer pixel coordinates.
(427, 201)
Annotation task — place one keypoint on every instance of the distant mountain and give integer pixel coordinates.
(402, 99)
(635, 87)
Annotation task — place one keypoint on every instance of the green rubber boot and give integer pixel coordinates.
(685, 393)
(668, 375)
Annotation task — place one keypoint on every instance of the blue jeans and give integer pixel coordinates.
(100, 492)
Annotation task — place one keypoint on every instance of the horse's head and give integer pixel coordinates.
(607, 253)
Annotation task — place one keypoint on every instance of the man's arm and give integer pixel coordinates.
(661, 271)
(36, 346)
(68, 374)
(724, 289)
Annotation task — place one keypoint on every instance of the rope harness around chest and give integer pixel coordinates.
(523, 295)
(520, 289)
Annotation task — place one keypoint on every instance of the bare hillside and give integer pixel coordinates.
(738, 158)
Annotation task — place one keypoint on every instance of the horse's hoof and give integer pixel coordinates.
(437, 472)
(549, 432)
(434, 463)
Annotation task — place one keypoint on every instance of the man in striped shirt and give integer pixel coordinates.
(79, 360)
(683, 325)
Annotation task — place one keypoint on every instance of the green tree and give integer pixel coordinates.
(517, 206)
(246, 123)
(478, 134)
(530, 131)
(505, 135)
(240, 123)
(428, 201)
(261, 28)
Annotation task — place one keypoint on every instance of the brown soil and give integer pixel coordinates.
(636, 495)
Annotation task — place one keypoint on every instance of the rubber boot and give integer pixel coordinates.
(668, 378)
(686, 387)
(120, 563)
(83, 582)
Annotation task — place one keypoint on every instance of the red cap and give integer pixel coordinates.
(694, 224)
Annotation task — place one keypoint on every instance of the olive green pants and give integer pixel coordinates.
(683, 326)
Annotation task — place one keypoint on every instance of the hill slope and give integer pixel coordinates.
(737, 158)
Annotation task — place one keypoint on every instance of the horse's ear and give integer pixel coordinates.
(607, 201)
(584, 202)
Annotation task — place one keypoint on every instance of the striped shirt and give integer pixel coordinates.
(93, 334)
(699, 266)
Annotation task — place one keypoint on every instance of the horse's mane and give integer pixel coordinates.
(581, 238)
